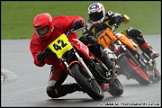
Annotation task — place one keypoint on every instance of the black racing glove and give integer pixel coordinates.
(41, 56)
(114, 17)
(78, 24)
(119, 19)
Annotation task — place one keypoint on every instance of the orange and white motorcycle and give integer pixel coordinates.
(133, 62)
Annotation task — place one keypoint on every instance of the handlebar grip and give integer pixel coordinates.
(70, 32)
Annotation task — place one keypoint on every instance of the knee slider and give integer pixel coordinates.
(84, 39)
(133, 32)
(52, 92)
(92, 40)
(99, 51)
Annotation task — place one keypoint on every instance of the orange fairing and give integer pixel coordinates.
(127, 42)
(106, 38)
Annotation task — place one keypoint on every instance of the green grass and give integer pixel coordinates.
(17, 16)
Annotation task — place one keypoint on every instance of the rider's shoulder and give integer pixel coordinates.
(87, 27)
(110, 13)
(62, 17)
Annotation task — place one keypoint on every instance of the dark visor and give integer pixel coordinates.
(96, 16)
(42, 31)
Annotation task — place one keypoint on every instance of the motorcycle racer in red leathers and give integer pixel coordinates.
(46, 30)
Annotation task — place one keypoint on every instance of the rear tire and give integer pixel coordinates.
(89, 85)
(116, 88)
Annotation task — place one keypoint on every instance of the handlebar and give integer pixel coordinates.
(72, 31)
(125, 19)
(115, 27)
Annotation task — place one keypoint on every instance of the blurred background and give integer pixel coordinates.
(17, 16)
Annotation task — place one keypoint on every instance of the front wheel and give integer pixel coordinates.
(88, 84)
(156, 77)
(156, 74)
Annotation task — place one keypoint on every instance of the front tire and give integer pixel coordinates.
(89, 85)
(157, 77)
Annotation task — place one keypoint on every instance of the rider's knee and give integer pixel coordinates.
(134, 33)
(84, 39)
(52, 92)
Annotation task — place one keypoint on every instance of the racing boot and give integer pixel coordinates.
(105, 59)
(62, 90)
(111, 66)
(148, 50)
(112, 71)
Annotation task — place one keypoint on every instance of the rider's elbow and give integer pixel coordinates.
(39, 64)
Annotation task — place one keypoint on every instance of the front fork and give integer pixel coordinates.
(144, 60)
(81, 62)
(84, 65)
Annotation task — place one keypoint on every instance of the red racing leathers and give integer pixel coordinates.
(62, 24)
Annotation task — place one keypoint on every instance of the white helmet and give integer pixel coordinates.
(96, 13)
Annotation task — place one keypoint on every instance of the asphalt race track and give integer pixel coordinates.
(25, 84)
